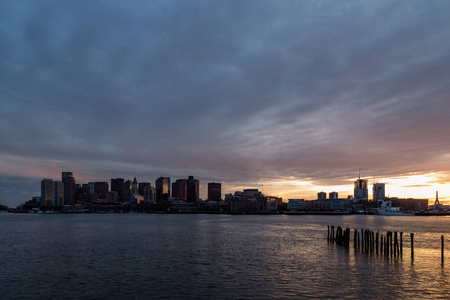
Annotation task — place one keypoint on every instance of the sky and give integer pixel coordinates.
(290, 97)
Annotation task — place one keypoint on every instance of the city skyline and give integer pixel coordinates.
(290, 97)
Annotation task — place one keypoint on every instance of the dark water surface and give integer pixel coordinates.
(150, 256)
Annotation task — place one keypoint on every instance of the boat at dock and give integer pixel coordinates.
(385, 208)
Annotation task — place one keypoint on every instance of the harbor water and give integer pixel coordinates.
(194, 256)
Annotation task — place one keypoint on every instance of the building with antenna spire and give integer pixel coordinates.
(360, 193)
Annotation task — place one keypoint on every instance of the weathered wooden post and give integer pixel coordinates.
(362, 239)
(412, 246)
(332, 234)
(381, 245)
(328, 236)
(442, 249)
(354, 238)
(395, 244)
(401, 244)
(376, 242)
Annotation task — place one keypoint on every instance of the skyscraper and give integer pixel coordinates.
(69, 188)
(46, 192)
(378, 191)
(126, 191)
(134, 188)
(214, 191)
(101, 189)
(142, 187)
(58, 195)
(116, 186)
(162, 186)
(179, 189)
(65, 174)
(192, 190)
(360, 192)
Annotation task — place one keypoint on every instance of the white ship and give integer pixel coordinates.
(385, 208)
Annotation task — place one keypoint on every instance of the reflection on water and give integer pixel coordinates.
(214, 256)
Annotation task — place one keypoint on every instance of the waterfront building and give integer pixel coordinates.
(192, 190)
(321, 195)
(410, 204)
(69, 188)
(162, 187)
(58, 193)
(297, 204)
(378, 191)
(214, 191)
(46, 192)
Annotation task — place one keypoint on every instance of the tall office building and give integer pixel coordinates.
(179, 189)
(214, 191)
(192, 190)
(135, 188)
(142, 187)
(149, 194)
(378, 191)
(116, 186)
(46, 192)
(126, 191)
(101, 189)
(162, 187)
(69, 188)
(360, 192)
(65, 174)
(58, 195)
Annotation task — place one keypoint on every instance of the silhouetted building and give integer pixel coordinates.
(126, 191)
(214, 191)
(117, 186)
(192, 189)
(333, 195)
(84, 193)
(101, 189)
(135, 188)
(360, 192)
(149, 194)
(321, 195)
(65, 174)
(69, 188)
(142, 187)
(162, 187)
(58, 193)
(179, 189)
(46, 192)
(378, 191)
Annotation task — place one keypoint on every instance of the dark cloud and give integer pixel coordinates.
(240, 92)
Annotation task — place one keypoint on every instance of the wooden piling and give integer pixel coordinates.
(395, 244)
(412, 246)
(401, 244)
(376, 242)
(442, 249)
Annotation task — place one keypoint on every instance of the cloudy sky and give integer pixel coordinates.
(291, 97)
